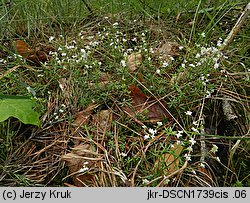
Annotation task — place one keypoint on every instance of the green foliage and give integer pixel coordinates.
(19, 107)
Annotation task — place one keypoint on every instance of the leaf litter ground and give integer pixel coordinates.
(116, 100)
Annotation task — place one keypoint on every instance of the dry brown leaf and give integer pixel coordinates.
(102, 120)
(142, 104)
(134, 61)
(82, 156)
(170, 160)
(83, 117)
(103, 80)
(34, 55)
(169, 49)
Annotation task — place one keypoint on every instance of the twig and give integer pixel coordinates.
(236, 28)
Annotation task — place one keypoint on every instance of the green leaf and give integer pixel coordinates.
(19, 107)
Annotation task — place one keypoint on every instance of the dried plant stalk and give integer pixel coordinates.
(236, 27)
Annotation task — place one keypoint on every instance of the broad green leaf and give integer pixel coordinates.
(19, 107)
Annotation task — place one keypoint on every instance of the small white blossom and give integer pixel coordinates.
(214, 148)
(218, 159)
(81, 170)
(61, 110)
(192, 65)
(188, 157)
(190, 148)
(146, 137)
(64, 54)
(165, 64)
(123, 63)
(216, 65)
(171, 58)
(152, 131)
(192, 141)
(188, 113)
(123, 154)
(158, 71)
(51, 38)
(179, 134)
(145, 181)
(195, 130)
(203, 34)
(196, 123)
(159, 123)
(202, 165)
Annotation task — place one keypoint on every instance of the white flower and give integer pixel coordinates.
(179, 134)
(51, 38)
(214, 148)
(178, 142)
(70, 47)
(203, 34)
(152, 131)
(192, 141)
(145, 181)
(202, 165)
(158, 71)
(181, 47)
(64, 54)
(61, 110)
(190, 148)
(195, 130)
(115, 24)
(196, 123)
(192, 65)
(123, 154)
(188, 113)
(146, 137)
(159, 124)
(197, 55)
(166, 181)
(123, 63)
(216, 65)
(165, 64)
(188, 157)
(83, 169)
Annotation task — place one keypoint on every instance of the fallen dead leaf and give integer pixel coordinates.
(103, 80)
(80, 160)
(169, 49)
(149, 106)
(83, 117)
(169, 160)
(102, 120)
(34, 55)
(134, 61)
